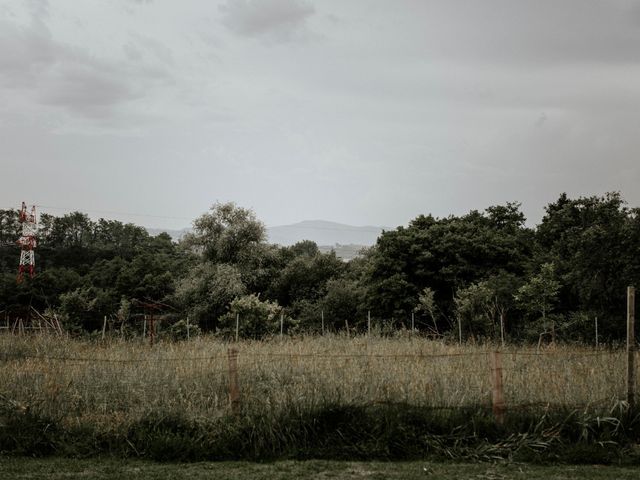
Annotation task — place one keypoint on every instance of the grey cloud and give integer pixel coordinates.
(30, 59)
(86, 88)
(23, 54)
(405, 107)
(158, 50)
(541, 120)
(520, 32)
(278, 20)
(68, 77)
(39, 8)
(132, 51)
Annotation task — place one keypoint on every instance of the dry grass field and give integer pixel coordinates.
(120, 380)
(361, 397)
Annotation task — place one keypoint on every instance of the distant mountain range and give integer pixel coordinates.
(174, 234)
(323, 233)
(346, 240)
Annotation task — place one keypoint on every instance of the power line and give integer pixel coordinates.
(114, 212)
(108, 212)
(377, 230)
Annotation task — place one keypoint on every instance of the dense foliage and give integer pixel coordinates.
(482, 275)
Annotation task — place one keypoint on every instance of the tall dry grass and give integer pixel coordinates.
(113, 383)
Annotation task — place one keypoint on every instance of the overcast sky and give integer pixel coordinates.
(364, 112)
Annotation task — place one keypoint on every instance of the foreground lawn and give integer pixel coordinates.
(60, 468)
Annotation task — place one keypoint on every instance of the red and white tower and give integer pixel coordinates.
(27, 242)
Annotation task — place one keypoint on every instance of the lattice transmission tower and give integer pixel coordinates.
(27, 242)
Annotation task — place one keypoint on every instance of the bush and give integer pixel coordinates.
(179, 330)
(257, 318)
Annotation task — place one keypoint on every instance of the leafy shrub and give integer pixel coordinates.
(257, 318)
(179, 330)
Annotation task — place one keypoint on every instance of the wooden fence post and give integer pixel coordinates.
(188, 335)
(369, 322)
(413, 322)
(234, 385)
(104, 326)
(281, 325)
(322, 316)
(237, 325)
(152, 329)
(597, 345)
(631, 346)
(346, 324)
(497, 390)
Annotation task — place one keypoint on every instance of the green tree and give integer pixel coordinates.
(84, 308)
(503, 287)
(473, 310)
(207, 290)
(225, 233)
(344, 300)
(445, 255)
(539, 295)
(260, 266)
(10, 228)
(594, 243)
(305, 278)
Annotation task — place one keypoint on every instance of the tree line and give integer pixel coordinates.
(482, 275)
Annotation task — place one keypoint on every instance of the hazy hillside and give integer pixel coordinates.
(175, 234)
(320, 231)
(345, 252)
(346, 240)
(323, 233)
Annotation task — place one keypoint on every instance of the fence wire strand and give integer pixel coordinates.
(275, 380)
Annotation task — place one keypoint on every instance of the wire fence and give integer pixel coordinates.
(101, 385)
